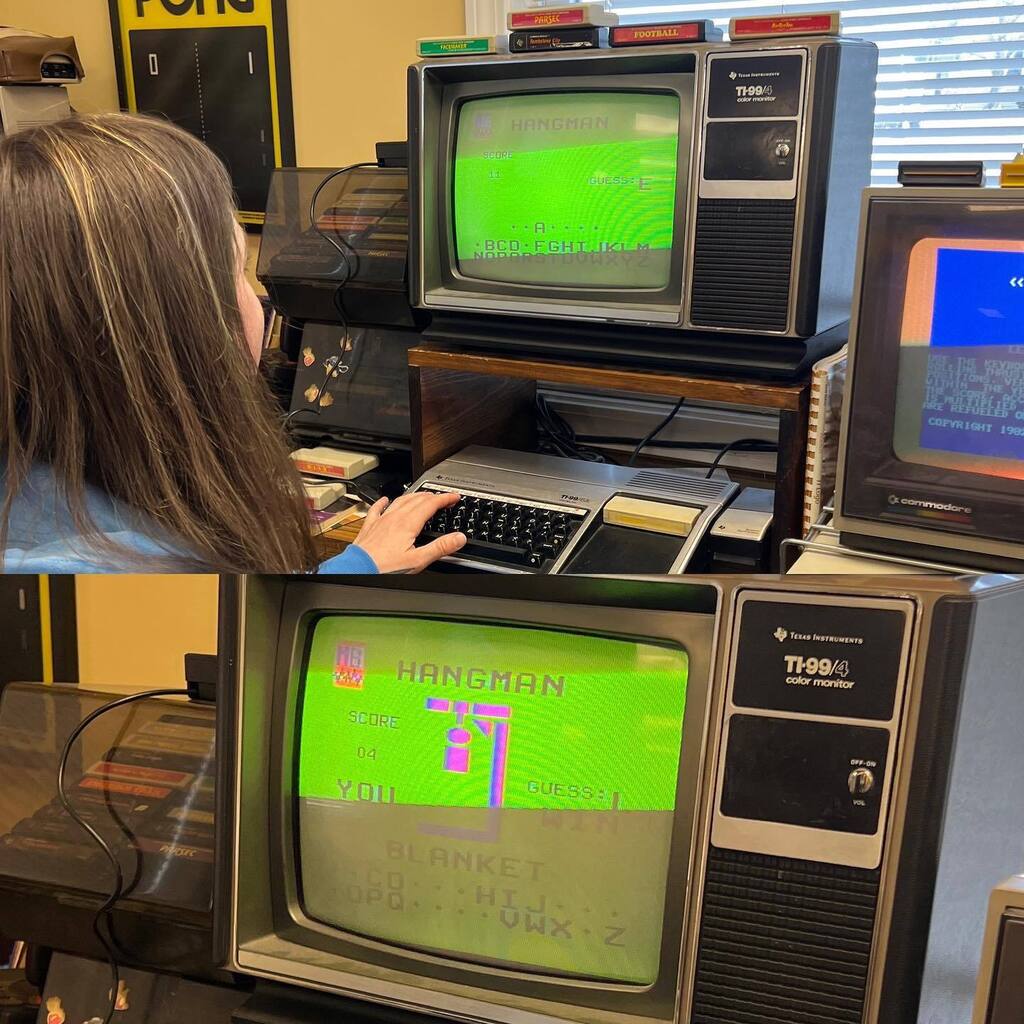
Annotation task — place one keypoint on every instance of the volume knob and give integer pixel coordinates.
(861, 781)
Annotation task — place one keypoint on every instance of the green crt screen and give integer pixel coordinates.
(574, 189)
(498, 794)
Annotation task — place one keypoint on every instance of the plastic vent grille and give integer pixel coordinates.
(678, 485)
(742, 264)
(783, 941)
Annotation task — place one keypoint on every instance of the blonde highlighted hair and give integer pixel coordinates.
(122, 357)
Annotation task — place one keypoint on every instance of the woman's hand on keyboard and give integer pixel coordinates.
(390, 530)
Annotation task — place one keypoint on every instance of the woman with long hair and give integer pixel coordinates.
(135, 430)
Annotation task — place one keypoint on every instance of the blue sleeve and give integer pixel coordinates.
(62, 556)
(353, 561)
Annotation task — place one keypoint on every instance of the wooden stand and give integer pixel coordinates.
(333, 542)
(463, 398)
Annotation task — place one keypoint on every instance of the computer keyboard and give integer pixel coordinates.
(505, 530)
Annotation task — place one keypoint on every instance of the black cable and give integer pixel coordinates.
(358, 348)
(559, 437)
(316, 227)
(556, 436)
(690, 446)
(123, 826)
(655, 432)
(336, 366)
(744, 444)
(118, 888)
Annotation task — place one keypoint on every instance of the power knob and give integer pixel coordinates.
(861, 781)
(782, 150)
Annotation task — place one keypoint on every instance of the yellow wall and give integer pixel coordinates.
(348, 71)
(134, 631)
(348, 61)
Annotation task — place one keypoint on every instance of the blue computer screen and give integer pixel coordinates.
(974, 394)
(979, 298)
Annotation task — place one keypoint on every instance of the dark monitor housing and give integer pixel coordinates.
(632, 196)
(368, 405)
(814, 782)
(351, 266)
(932, 448)
(341, 284)
(144, 779)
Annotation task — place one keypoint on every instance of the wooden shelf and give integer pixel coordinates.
(665, 383)
(461, 398)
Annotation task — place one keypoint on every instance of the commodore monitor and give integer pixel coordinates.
(932, 449)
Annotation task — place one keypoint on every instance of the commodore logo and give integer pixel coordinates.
(781, 634)
(930, 506)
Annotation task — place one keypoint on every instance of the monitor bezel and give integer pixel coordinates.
(362, 957)
(443, 287)
(456, 97)
(871, 474)
(309, 623)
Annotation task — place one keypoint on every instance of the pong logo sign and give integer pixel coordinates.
(179, 8)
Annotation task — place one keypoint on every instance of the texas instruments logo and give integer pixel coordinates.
(781, 634)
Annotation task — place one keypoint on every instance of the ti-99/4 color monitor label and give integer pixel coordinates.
(756, 86)
(843, 661)
(501, 794)
(567, 189)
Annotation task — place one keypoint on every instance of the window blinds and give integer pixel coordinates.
(950, 77)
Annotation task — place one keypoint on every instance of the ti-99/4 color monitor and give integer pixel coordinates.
(933, 443)
(572, 800)
(495, 794)
(559, 196)
(632, 200)
(484, 801)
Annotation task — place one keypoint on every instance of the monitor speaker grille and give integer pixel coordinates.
(783, 941)
(742, 264)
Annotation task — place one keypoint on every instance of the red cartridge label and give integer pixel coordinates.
(638, 35)
(796, 25)
(320, 469)
(545, 19)
(139, 773)
(131, 789)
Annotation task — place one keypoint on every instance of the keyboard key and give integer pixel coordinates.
(505, 531)
(510, 554)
